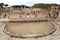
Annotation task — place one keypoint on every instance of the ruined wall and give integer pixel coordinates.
(25, 13)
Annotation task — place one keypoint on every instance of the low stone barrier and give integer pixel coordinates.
(31, 36)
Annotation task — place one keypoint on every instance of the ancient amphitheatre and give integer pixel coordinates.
(28, 23)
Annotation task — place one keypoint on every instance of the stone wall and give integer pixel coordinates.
(26, 13)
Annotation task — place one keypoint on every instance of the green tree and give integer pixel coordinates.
(16, 6)
(5, 5)
(1, 5)
(19, 6)
(41, 5)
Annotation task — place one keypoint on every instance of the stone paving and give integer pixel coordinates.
(54, 36)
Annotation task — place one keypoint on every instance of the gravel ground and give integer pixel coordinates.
(54, 36)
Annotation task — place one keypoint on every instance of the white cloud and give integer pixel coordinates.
(28, 2)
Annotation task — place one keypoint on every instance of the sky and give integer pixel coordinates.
(28, 2)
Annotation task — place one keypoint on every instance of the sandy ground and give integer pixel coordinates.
(54, 36)
(58, 22)
(29, 28)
